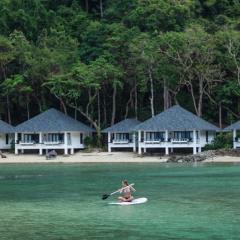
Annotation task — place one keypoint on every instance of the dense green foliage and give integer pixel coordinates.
(104, 60)
(222, 140)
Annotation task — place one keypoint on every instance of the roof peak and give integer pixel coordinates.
(52, 120)
(176, 118)
(125, 125)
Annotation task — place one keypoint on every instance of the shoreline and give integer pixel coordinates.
(103, 157)
(80, 157)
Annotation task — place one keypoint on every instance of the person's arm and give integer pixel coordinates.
(132, 188)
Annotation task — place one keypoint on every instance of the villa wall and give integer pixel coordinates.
(211, 136)
(3, 144)
(75, 139)
(114, 143)
(201, 141)
(66, 145)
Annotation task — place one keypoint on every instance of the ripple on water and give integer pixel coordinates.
(64, 202)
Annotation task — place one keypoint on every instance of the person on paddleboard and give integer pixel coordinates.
(126, 192)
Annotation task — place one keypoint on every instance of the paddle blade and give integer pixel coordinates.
(105, 196)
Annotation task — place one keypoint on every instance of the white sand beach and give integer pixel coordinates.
(223, 159)
(82, 157)
(98, 157)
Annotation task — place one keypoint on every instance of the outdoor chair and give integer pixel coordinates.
(2, 155)
(51, 155)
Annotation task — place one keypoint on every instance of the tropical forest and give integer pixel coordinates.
(101, 61)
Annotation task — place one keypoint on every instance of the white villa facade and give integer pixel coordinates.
(6, 135)
(121, 135)
(175, 128)
(235, 127)
(51, 130)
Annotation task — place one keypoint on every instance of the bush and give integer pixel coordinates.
(222, 140)
(91, 141)
(12, 148)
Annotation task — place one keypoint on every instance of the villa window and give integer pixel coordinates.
(155, 136)
(7, 139)
(182, 134)
(81, 138)
(19, 137)
(54, 137)
(29, 138)
(122, 136)
(207, 136)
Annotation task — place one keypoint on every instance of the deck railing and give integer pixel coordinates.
(53, 142)
(44, 142)
(121, 141)
(169, 140)
(180, 140)
(27, 142)
(154, 141)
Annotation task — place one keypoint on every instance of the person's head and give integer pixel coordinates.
(125, 183)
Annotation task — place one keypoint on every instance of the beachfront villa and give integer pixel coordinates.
(6, 135)
(235, 127)
(121, 135)
(175, 128)
(51, 130)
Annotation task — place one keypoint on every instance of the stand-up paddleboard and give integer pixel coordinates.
(133, 202)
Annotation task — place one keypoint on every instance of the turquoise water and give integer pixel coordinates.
(63, 201)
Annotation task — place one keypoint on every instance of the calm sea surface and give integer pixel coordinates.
(63, 201)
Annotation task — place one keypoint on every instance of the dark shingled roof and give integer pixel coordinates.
(52, 120)
(5, 127)
(124, 126)
(176, 118)
(233, 126)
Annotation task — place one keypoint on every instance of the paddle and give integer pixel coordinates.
(105, 196)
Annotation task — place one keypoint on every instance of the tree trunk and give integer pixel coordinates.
(238, 105)
(136, 100)
(220, 115)
(8, 111)
(99, 109)
(166, 99)
(101, 8)
(63, 106)
(129, 102)
(75, 111)
(175, 100)
(38, 103)
(200, 100)
(28, 111)
(193, 99)
(152, 92)
(7, 97)
(93, 123)
(104, 111)
(114, 103)
(87, 5)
